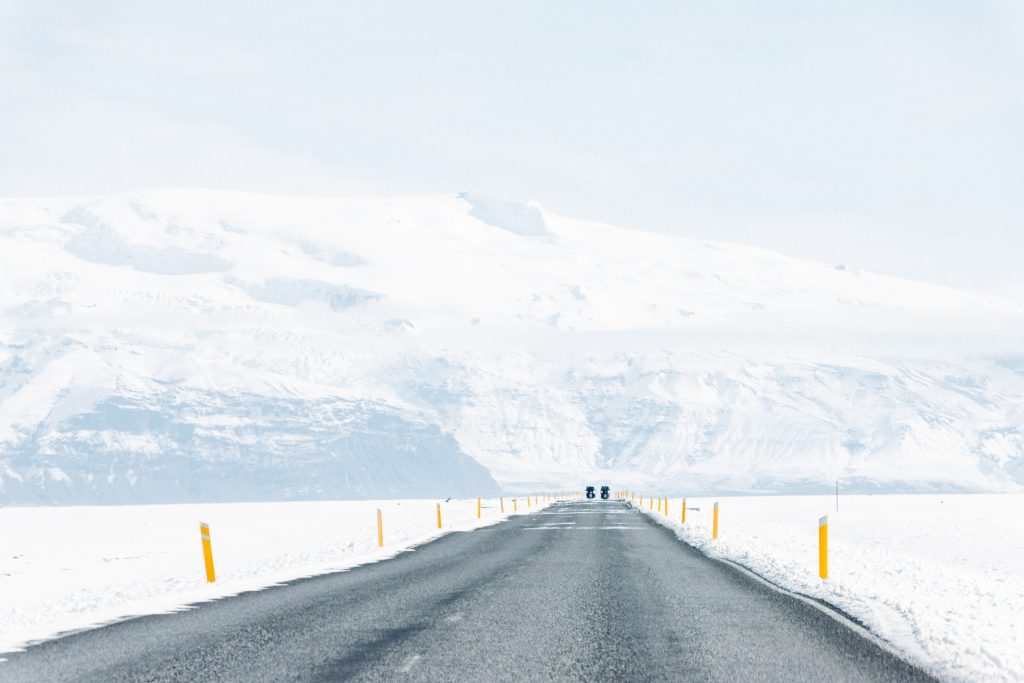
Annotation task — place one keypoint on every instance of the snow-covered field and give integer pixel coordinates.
(69, 568)
(938, 576)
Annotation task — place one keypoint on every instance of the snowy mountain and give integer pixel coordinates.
(202, 345)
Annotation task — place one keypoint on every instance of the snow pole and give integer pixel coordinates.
(823, 547)
(204, 535)
(502, 501)
(438, 515)
(682, 516)
(714, 529)
(478, 507)
(515, 504)
(380, 528)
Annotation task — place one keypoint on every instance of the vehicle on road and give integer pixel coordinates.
(605, 492)
(590, 492)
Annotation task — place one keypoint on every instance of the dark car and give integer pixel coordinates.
(590, 492)
(605, 492)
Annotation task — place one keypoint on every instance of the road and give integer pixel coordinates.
(583, 591)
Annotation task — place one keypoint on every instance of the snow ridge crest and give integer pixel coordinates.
(521, 218)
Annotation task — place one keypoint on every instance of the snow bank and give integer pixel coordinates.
(71, 568)
(939, 576)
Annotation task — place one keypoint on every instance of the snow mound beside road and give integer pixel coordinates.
(71, 568)
(938, 576)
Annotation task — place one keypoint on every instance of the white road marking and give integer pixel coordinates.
(410, 662)
(578, 528)
(587, 512)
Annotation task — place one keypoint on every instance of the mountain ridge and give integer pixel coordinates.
(508, 346)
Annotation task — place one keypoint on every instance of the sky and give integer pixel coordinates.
(878, 134)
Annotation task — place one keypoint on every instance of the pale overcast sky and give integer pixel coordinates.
(882, 134)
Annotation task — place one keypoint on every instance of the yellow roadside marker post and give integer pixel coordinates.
(666, 506)
(683, 516)
(478, 507)
(502, 501)
(380, 529)
(528, 502)
(515, 504)
(714, 528)
(641, 500)
(659, 504)
(823, 547)
(438, 515)
(204, 535)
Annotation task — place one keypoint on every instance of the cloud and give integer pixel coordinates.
(89, 146)
(829, 132)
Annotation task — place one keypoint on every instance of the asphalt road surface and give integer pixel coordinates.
(584, 591)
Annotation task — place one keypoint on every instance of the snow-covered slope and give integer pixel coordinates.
(181, 345)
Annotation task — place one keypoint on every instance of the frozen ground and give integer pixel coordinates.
(939, 576)
(69, 568)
